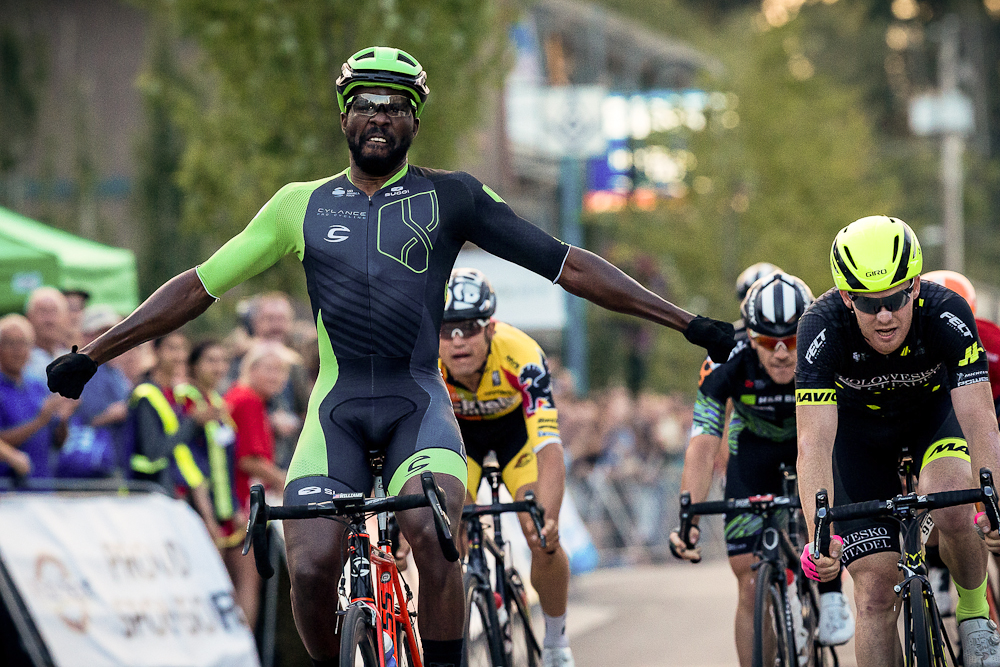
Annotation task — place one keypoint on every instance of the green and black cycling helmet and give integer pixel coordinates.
(774, 304)
(469, 296)
(386, 67)
(750, 275)
(874, 254)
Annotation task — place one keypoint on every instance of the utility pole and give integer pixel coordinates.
(952, 152)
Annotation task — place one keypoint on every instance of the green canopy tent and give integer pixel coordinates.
(33, 254)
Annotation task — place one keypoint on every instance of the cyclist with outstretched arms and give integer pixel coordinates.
(499, 383)
(759, 380)
(377, 242)
(887, 362)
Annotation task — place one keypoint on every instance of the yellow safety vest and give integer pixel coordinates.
(168, 418)
(222, 494)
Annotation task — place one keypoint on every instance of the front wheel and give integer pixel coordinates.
(357, 639)
(773, 645)
(917, 638)
(524, 648)
(483, 644)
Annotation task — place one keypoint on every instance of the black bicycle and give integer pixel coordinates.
(777, 619)
(375, 622)
(925, 638)
(498, 630)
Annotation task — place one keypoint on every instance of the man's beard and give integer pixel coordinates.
(379, 166)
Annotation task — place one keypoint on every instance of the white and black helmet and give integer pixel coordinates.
(774, 304)
(469, 296)
(752, 274)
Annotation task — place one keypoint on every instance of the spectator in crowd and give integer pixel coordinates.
(76, 302)
(263, 373)
(18, 461)
(48, 312)
(213, 449)
(157, 434)
(31, 419)
(93, 445)
(271, 317)
(135, 363)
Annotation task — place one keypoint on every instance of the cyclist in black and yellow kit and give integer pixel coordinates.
(887, 361)
(501, 391)
(759, 379)
(377, 242)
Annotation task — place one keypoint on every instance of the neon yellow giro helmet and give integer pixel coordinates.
(386, 67)
(875, 253)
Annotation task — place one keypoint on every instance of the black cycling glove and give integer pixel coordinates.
(68, 373)
(713, 335)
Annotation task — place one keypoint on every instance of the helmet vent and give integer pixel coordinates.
(847, 251)
(400, 56)
(370, 54)
(895, 249)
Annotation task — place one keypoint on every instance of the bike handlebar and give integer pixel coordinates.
(750, 505)
(901, 504)
(529, 505)
(339, 505)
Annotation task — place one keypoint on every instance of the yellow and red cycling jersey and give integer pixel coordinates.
(511, 412)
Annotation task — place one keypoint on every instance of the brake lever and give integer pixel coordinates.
(821, 536)
(537, 514)
(989, 497)
(436, 497)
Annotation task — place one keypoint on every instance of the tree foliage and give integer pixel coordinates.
(801, 162)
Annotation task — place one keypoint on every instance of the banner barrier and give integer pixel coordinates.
(130, 581)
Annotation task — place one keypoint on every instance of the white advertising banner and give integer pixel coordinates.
(122, 581)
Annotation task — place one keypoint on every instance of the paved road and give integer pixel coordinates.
(650, 616)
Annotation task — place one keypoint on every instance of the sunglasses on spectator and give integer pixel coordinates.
(463, 329)
(872, 305)
(770, 342)
(369, 104)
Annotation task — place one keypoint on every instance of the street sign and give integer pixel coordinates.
(556, 121)
(947, 113)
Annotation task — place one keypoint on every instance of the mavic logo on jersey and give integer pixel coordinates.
(396, 191)
(337, 233)
(905, 351)
(971, 354)
(815, 396)
(953, 446)
(418, 463)
(341, 192)
(816, 346)
(958, 324)
(523, 460)
(536, 387)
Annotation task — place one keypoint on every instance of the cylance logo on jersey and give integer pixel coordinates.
(957, 324)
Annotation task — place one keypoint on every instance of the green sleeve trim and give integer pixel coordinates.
(438, 461)
(309, 457)
(497, 198)
(274, 232)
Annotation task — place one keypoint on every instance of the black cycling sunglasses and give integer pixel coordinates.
(872, 305)
(368, 104)
(462, 329)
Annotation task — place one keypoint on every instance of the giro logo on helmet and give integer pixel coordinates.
(880, 272)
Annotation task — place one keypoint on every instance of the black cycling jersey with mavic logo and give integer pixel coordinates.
(836, 366)
(762, 406)
(376, 269)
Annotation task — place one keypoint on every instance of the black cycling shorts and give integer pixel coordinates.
(866, 455)
(376, 404)
(755, 469)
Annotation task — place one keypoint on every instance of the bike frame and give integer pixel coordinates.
(383, 596)
(776, 545)
(479, 543)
